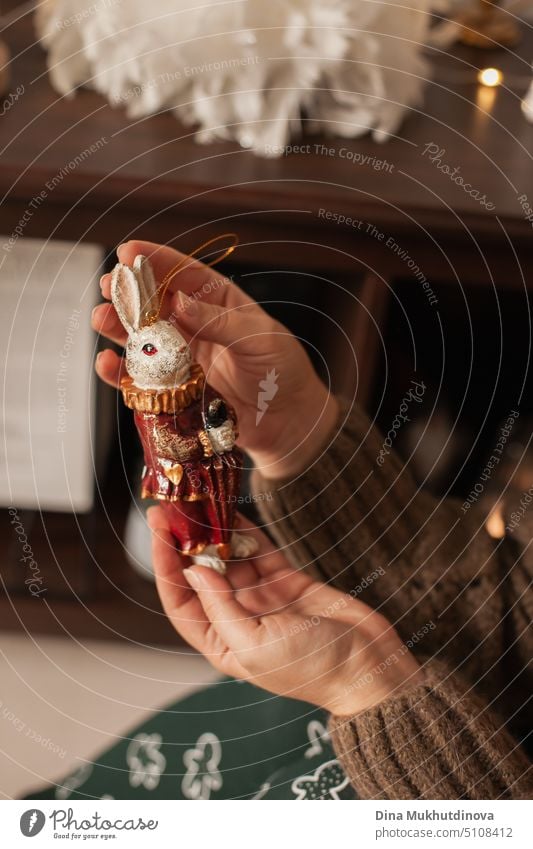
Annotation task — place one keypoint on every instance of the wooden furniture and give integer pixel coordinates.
(150, 178)
(353, 215)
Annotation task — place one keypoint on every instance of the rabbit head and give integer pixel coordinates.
(157, 356)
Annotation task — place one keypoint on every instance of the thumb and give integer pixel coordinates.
(233, 623)
(235, 326)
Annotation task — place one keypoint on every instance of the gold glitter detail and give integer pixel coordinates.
(173, 446)
(223, 549)
(150, 317)
(175, 473)
(206, 443)
(164, 400)
(161, 497)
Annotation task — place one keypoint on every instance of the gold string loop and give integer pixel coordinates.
(152, 316)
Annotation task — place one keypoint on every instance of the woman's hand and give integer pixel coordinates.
(238, 345)
(277, 628)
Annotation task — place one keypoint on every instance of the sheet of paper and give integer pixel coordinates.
(47, 347)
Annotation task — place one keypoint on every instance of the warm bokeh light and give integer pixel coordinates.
(495, 524)
(490, 77)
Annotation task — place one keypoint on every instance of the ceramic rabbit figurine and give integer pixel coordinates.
(188, 432)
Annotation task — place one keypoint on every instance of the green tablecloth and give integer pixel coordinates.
(229, 741)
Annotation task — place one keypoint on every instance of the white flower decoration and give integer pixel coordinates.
(318, 735)
(327, 781)
(145, 761)
(74, 781)
(202, 776)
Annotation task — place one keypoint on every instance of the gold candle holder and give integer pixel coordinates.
(486, 26)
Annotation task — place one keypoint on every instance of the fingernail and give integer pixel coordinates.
(186, 305)
(149, 514)
(194, 579)
(122, 245)
(99, 357)
(182, 300)
(102, 278)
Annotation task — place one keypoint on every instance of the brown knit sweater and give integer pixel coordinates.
(462, 733)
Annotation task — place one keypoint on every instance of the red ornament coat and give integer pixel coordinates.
(197, 488)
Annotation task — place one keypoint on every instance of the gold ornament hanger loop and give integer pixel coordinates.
(152, 316)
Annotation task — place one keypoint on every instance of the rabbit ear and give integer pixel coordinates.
(126, 297)
(147, 284)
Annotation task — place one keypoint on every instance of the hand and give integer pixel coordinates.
(279, 629)
(238, 344)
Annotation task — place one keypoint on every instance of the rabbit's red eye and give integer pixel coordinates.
(149, 349)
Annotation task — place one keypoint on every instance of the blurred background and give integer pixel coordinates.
(376, 164)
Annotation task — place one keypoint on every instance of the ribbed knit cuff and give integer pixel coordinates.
(433, 741)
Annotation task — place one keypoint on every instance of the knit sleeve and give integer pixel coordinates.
(433, 741)
(357, 513)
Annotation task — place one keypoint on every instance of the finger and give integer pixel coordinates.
(233, 622)
(105, 321)
(168, 562)
(244, 328)
(288, 583)
(105, 286)
(268, 559)
(109, 367)
(180, 603)
(244, 525)
(246, 573)
(242, 574)
(156, 519)
(275, 592)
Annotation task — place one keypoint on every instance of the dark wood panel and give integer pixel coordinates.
(154, 163)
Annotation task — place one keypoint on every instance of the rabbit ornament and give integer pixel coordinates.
(188, 432)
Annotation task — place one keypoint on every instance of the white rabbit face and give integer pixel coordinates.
(157, 357)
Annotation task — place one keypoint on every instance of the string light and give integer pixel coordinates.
(495, 524)
(490, 77)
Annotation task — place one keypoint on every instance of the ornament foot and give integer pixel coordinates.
(209, 558)
(243, 545)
